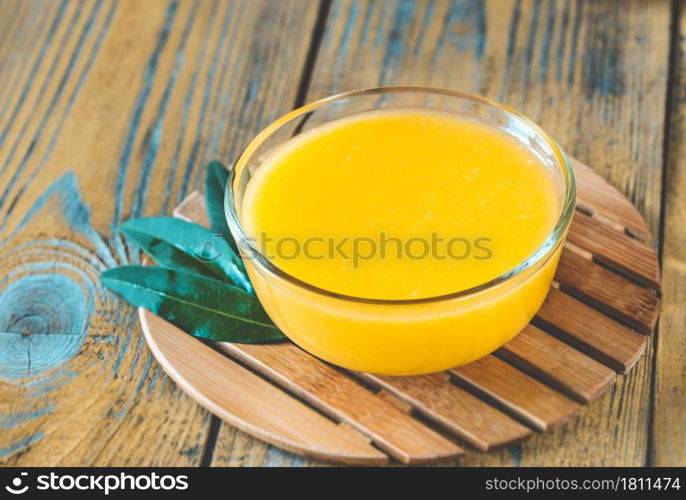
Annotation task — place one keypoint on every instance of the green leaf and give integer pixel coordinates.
(204, 307)
(179, 244)
(216, 178)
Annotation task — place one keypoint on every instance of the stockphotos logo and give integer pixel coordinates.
(101, 483)
(17, 487)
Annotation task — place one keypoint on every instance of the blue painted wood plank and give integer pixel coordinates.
(67, 344)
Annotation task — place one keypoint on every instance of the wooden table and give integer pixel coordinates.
(110, 109)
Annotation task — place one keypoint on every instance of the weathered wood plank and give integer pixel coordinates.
(13, 20)
(237, 449)
(111, 111)
(591, 73)
(669, 425)
(23, 49)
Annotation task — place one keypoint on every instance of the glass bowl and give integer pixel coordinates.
(414, 336)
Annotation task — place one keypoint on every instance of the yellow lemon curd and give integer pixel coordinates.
(402, 206)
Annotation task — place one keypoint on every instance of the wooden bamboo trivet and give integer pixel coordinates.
(604, 299)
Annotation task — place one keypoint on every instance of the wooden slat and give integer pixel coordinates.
(531, 401)
(607, 291)
(616, 250)
(591, 331)
(558, 364)
(599, 198)
(455, 409)
(250, 403)
(345, 400)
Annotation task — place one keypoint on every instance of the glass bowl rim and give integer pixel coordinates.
(540, 255)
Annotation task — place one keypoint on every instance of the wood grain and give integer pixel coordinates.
(607, 291)
(108, 110)
(615, 249)
(455, 409)
(524, 397)
(555, 362)
(668, 435)
(590, 331)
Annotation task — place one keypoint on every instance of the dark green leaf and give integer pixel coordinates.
(216, 178)
(204, 307)
(178, 244)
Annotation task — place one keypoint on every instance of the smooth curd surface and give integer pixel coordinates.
(406, 174)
